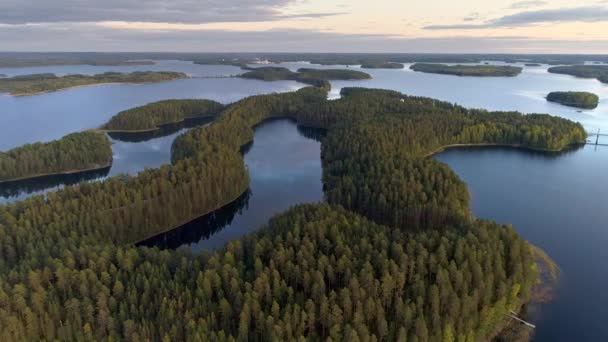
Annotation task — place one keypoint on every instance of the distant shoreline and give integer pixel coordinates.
(92, 85)
(61, 173)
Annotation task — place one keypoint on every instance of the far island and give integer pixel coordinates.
(74, 153)
(316, 77)
(468, 70)
(44, 83)
(599, 72)
(382, 65)
(578, 99)
(532, 64)
(153, 115)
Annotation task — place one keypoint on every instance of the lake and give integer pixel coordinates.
(558, 202)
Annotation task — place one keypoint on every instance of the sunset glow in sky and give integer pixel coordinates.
(529, 26)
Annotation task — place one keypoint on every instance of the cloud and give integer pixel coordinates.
(158, 11)
(91, 37)
(527, 4)
(574, 14)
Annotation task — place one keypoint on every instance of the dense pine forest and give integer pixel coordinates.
(468, 70)
(153, 115)
(395, 255)
(72, 153)
(43, 83)
(578, 99)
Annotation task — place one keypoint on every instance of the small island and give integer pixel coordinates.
(578, 99)
(382, 65)
(599, 72)
(316, 77)
(533, 64)
(47, 82)
(153, 115)
(77, 152)
(468, 70)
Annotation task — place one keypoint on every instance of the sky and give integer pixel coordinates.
(406, 26)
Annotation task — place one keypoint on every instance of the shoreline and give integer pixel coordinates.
(90, 85)
(183, 222)
(159, 127)
(61, 173)
(514, 146)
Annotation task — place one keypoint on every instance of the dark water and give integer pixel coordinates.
(559, 203)
(285, 168)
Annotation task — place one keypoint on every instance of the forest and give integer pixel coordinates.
(599, 72)
(153, 115)
(578, 99)
(315, 77)
(353, 269)
(43, 83)
(382, 65)
(72, 153)
(468, 70)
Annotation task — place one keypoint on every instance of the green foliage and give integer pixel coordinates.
(468, 70)
(382, 65)
(411, 263)
(72, 153)
(315, 77)
(153, 115)
(42, 83)
(579, 99)
(586, 71)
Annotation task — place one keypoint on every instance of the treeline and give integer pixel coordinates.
(382, 65)
(316, 77)
(153, 115)
(41, 83)
(468, 70)
(69, 271)
(600, 72)
(578, 99)
(72, 153)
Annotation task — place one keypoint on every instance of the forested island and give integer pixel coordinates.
(153, 115)
(599, 72)
(578, 99)
(44, 83)
(395, 254)
(73, 153)
(532, 64)
(382, 65)
(316, 77)
(468, 70)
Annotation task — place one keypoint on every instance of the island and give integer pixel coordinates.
(468, 70)
(578, 99)
(394, 254)
(532, 64)
(153, 115)
(47, 82)
(74, 153)
(316, 77)
(382, 65)
(599, 72)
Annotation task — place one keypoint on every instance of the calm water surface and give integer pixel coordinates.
(285, 169)
(559, 203)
